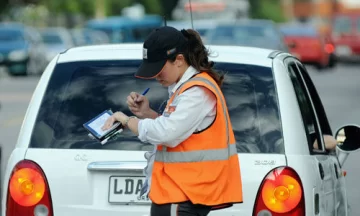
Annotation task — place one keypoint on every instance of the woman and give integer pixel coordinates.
(195, 167)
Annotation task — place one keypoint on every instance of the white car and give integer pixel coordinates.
(56, 169)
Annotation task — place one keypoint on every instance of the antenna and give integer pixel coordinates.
(165, 21)
(192, 23)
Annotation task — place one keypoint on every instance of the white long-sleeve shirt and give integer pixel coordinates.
(195, 111)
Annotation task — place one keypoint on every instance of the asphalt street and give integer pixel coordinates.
(339, 89)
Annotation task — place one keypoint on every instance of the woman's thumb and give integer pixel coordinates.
(140, 98)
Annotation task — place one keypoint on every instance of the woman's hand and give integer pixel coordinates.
(118, 116)
(138, 105)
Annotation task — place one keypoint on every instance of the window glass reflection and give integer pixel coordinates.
(79, 91)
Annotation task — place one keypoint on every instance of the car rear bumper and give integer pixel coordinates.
(352, 58)
(343, 51)
(133, 210)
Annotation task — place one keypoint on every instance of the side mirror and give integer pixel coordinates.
(348, 140)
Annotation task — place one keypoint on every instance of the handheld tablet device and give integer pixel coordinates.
(95, 124)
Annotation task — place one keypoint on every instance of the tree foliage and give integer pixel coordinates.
(266, 9)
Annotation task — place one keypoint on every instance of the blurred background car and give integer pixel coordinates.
(83, 37)
(203, 26)
(252, 33)
(126, 29)
(21, 49)
(57, 40)
(308, 45)
(346, 35)
(211, 9)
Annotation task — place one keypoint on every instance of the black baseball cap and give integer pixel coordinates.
(162, 44)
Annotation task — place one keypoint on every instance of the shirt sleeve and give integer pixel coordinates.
(193, 105)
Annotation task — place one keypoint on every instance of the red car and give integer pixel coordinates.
(308, 45)
(346, 35)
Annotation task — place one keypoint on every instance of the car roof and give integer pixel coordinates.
(12, 26)
(199, 23)
(131, 51)
(53, 29)
(240, 22)
(124, 21)
(298, 29)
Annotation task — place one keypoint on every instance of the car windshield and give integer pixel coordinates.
(52, 39)
(243, 35)
(79, 91)
(342, 24)
(7, 35)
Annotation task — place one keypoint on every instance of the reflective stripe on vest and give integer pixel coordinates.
(196, 156)
(200, 155)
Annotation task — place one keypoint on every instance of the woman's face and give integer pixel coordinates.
(172, 71)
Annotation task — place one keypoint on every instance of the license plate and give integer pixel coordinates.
(125, 190)
(343, 50)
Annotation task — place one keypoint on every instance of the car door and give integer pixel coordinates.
(323, 183)
(337, 173)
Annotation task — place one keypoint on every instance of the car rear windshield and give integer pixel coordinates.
(10, 35)
(52, 39)
(342, 24)
(79, 91)
(304, 32)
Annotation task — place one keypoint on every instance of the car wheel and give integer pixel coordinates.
(332, 61)
(320, 66)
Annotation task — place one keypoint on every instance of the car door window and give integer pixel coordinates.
(319, 108)
(309, 118)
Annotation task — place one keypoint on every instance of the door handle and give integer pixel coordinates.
(321, 171)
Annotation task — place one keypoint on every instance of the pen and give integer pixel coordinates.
(146, 91)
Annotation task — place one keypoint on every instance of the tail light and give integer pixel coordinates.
(329, 48)
(28, 191)
(281, 193)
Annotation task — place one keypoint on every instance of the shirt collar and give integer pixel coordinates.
(191, 71)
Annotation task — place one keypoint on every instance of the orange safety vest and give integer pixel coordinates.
(203, 169)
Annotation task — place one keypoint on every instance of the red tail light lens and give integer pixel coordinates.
(329, 48)
(28, 191)
(281, 193)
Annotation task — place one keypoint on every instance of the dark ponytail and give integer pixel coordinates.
(197, 55)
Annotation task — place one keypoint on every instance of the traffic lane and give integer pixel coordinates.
(10, 128)
(339, 91)
(15, 95)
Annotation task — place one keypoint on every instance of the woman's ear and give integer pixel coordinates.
(180, 60)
